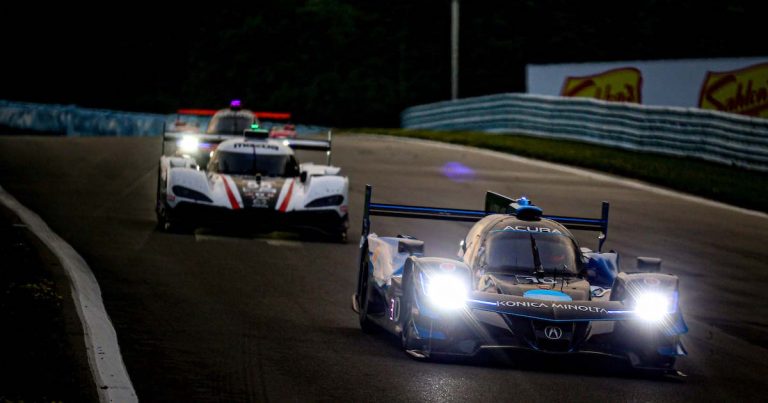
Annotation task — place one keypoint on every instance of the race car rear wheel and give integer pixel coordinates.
(339, 234)
(340, 237)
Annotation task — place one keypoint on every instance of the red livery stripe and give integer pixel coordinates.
(230, 195)
(284, 204)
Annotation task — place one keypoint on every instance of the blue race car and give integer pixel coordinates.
(521, 283)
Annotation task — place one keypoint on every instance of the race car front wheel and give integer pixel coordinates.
(365, 323)
(408, 334)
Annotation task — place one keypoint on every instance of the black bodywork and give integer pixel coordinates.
(590, 307)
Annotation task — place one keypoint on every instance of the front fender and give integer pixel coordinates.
(188, 178)
(320, 187)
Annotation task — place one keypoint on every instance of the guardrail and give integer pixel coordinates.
(711, 135)
(72, 120)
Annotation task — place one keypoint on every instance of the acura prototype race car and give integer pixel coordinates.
(521, 283)
(248, 179)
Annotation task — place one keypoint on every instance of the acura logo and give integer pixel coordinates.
(553, 332)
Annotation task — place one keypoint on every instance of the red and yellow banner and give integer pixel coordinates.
(620, 85)
(743, 91)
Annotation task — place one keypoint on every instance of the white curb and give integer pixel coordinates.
(107, 368)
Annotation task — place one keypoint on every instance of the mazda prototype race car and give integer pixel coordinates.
(521, 282)
(249, 179)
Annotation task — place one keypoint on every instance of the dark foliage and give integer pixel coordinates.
(339, 62)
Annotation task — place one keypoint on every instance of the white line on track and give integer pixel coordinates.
(580, 172)
(106, 363)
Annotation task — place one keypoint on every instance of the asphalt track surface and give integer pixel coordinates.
(220, 316)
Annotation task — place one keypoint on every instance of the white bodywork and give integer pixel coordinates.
(284, 194)
(386, 257)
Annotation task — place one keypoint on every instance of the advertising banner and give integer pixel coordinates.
(622, 85)
(735, 85)
(743, 91)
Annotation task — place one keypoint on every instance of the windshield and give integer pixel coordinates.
(516, 252)
(233, 124)
(254, 164)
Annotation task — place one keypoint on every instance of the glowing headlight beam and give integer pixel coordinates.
(652, 307)
(446, 291)
(188, 144)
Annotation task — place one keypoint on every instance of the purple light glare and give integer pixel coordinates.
(458, 172)
(235, 103)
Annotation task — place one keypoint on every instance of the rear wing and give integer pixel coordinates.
(313, 145)
(214, 139)
(259, 114)
(495, 204)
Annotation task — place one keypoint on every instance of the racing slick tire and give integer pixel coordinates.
(365, 323)
(164, 214)
(407, 338)
(339, 233)
(340, 237)
(411, 345)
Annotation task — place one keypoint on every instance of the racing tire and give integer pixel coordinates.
(407, 335)
(340, 237)
(366, 324)
(407, 339)
(166, 223)
(340, 232)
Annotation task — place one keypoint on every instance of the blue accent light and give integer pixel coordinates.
(491, 303)
(523, 201)
(547, 295)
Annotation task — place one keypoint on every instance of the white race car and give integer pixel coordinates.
(250, 179)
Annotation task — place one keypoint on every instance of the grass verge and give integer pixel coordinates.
(728, 184)
(41, 349)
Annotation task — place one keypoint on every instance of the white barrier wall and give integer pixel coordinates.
(710, 135)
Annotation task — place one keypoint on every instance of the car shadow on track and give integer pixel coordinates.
(252, 233)
(533, 361)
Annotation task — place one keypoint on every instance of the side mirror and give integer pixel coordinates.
(303, 177)
(648, 264)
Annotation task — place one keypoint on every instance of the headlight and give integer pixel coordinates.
(188, 144)
(652, 307)
(446, 291)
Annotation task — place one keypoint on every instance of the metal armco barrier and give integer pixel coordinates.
(715, 136)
